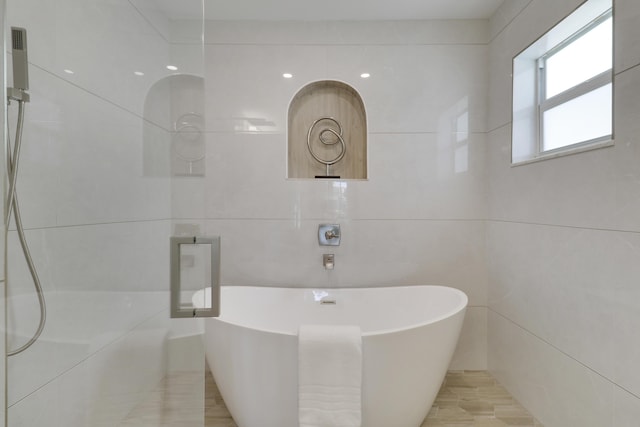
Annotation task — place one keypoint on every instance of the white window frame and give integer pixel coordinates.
(545, 104)
(529, 100)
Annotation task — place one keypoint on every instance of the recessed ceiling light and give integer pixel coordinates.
(172, 67)
(287, 75)
(365, 75)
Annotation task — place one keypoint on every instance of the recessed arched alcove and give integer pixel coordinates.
(327, 132)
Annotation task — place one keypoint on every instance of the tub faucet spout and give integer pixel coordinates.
(328, 261)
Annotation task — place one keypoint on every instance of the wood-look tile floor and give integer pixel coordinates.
(475, 398)
(466, 399)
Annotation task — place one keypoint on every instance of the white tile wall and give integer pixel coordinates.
(626, 408)
(347, 32)
(102, 42)
(417, 219)
(445, 178)
(562, 248)
(99, 390)
(372, 252)
(84, 158)
(558, 390)
(471, 353)
(440, 32)
(531, 193)
(625, 157)
(626, 51)
(572, 287)
(407, 93)
(244, 82)
(506, 12)
(152, 12)
(79, 325)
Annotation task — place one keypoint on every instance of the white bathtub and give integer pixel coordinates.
(408, 336)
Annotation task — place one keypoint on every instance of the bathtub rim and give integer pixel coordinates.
(461, 307)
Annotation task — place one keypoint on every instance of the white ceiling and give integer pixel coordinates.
(310, 10)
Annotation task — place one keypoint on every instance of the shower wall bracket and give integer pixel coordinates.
(14, 94)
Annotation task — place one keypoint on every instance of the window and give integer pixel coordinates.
(563, 94)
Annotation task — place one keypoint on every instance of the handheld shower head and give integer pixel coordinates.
(19, 57)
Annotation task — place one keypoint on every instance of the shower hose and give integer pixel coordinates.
(12, 206)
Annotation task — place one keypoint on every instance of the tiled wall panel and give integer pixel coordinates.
(562, 247)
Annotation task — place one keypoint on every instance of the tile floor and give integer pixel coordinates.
(474, 398)
(466, 399)
(177, 401)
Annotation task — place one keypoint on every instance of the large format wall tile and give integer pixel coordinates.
(411, 176)
(576, 190)
(371, 253)
(574, 288)
(418, 218)
(415, 88)
(101, 42)
(558, 390)
(347, 32)
(506, 13)
(99, 283)
(83, 158)
(101, 389)
(244, 87)
(626, 33)
(471, 352)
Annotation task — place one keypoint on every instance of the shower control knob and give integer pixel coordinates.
(329, 235)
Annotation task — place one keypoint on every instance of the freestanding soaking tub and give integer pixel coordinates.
(409, 334)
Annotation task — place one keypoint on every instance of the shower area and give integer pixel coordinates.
(115, 117)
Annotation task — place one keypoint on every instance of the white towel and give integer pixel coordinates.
(329, 376)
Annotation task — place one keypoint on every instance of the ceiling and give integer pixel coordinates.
(331, 10)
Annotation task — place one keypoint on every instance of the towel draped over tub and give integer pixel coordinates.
(329, 376)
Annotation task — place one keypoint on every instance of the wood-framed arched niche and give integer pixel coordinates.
(319, 111)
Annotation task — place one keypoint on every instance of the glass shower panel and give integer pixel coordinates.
(107, 136)
(3, 114)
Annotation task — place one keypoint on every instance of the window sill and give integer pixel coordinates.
(568, 152)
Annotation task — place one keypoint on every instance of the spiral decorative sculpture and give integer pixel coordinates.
(327, 137)
(188, 139)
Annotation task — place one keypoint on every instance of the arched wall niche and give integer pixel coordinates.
(319, 112)
(173, 133)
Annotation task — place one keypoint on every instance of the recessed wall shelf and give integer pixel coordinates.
(327, 132)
